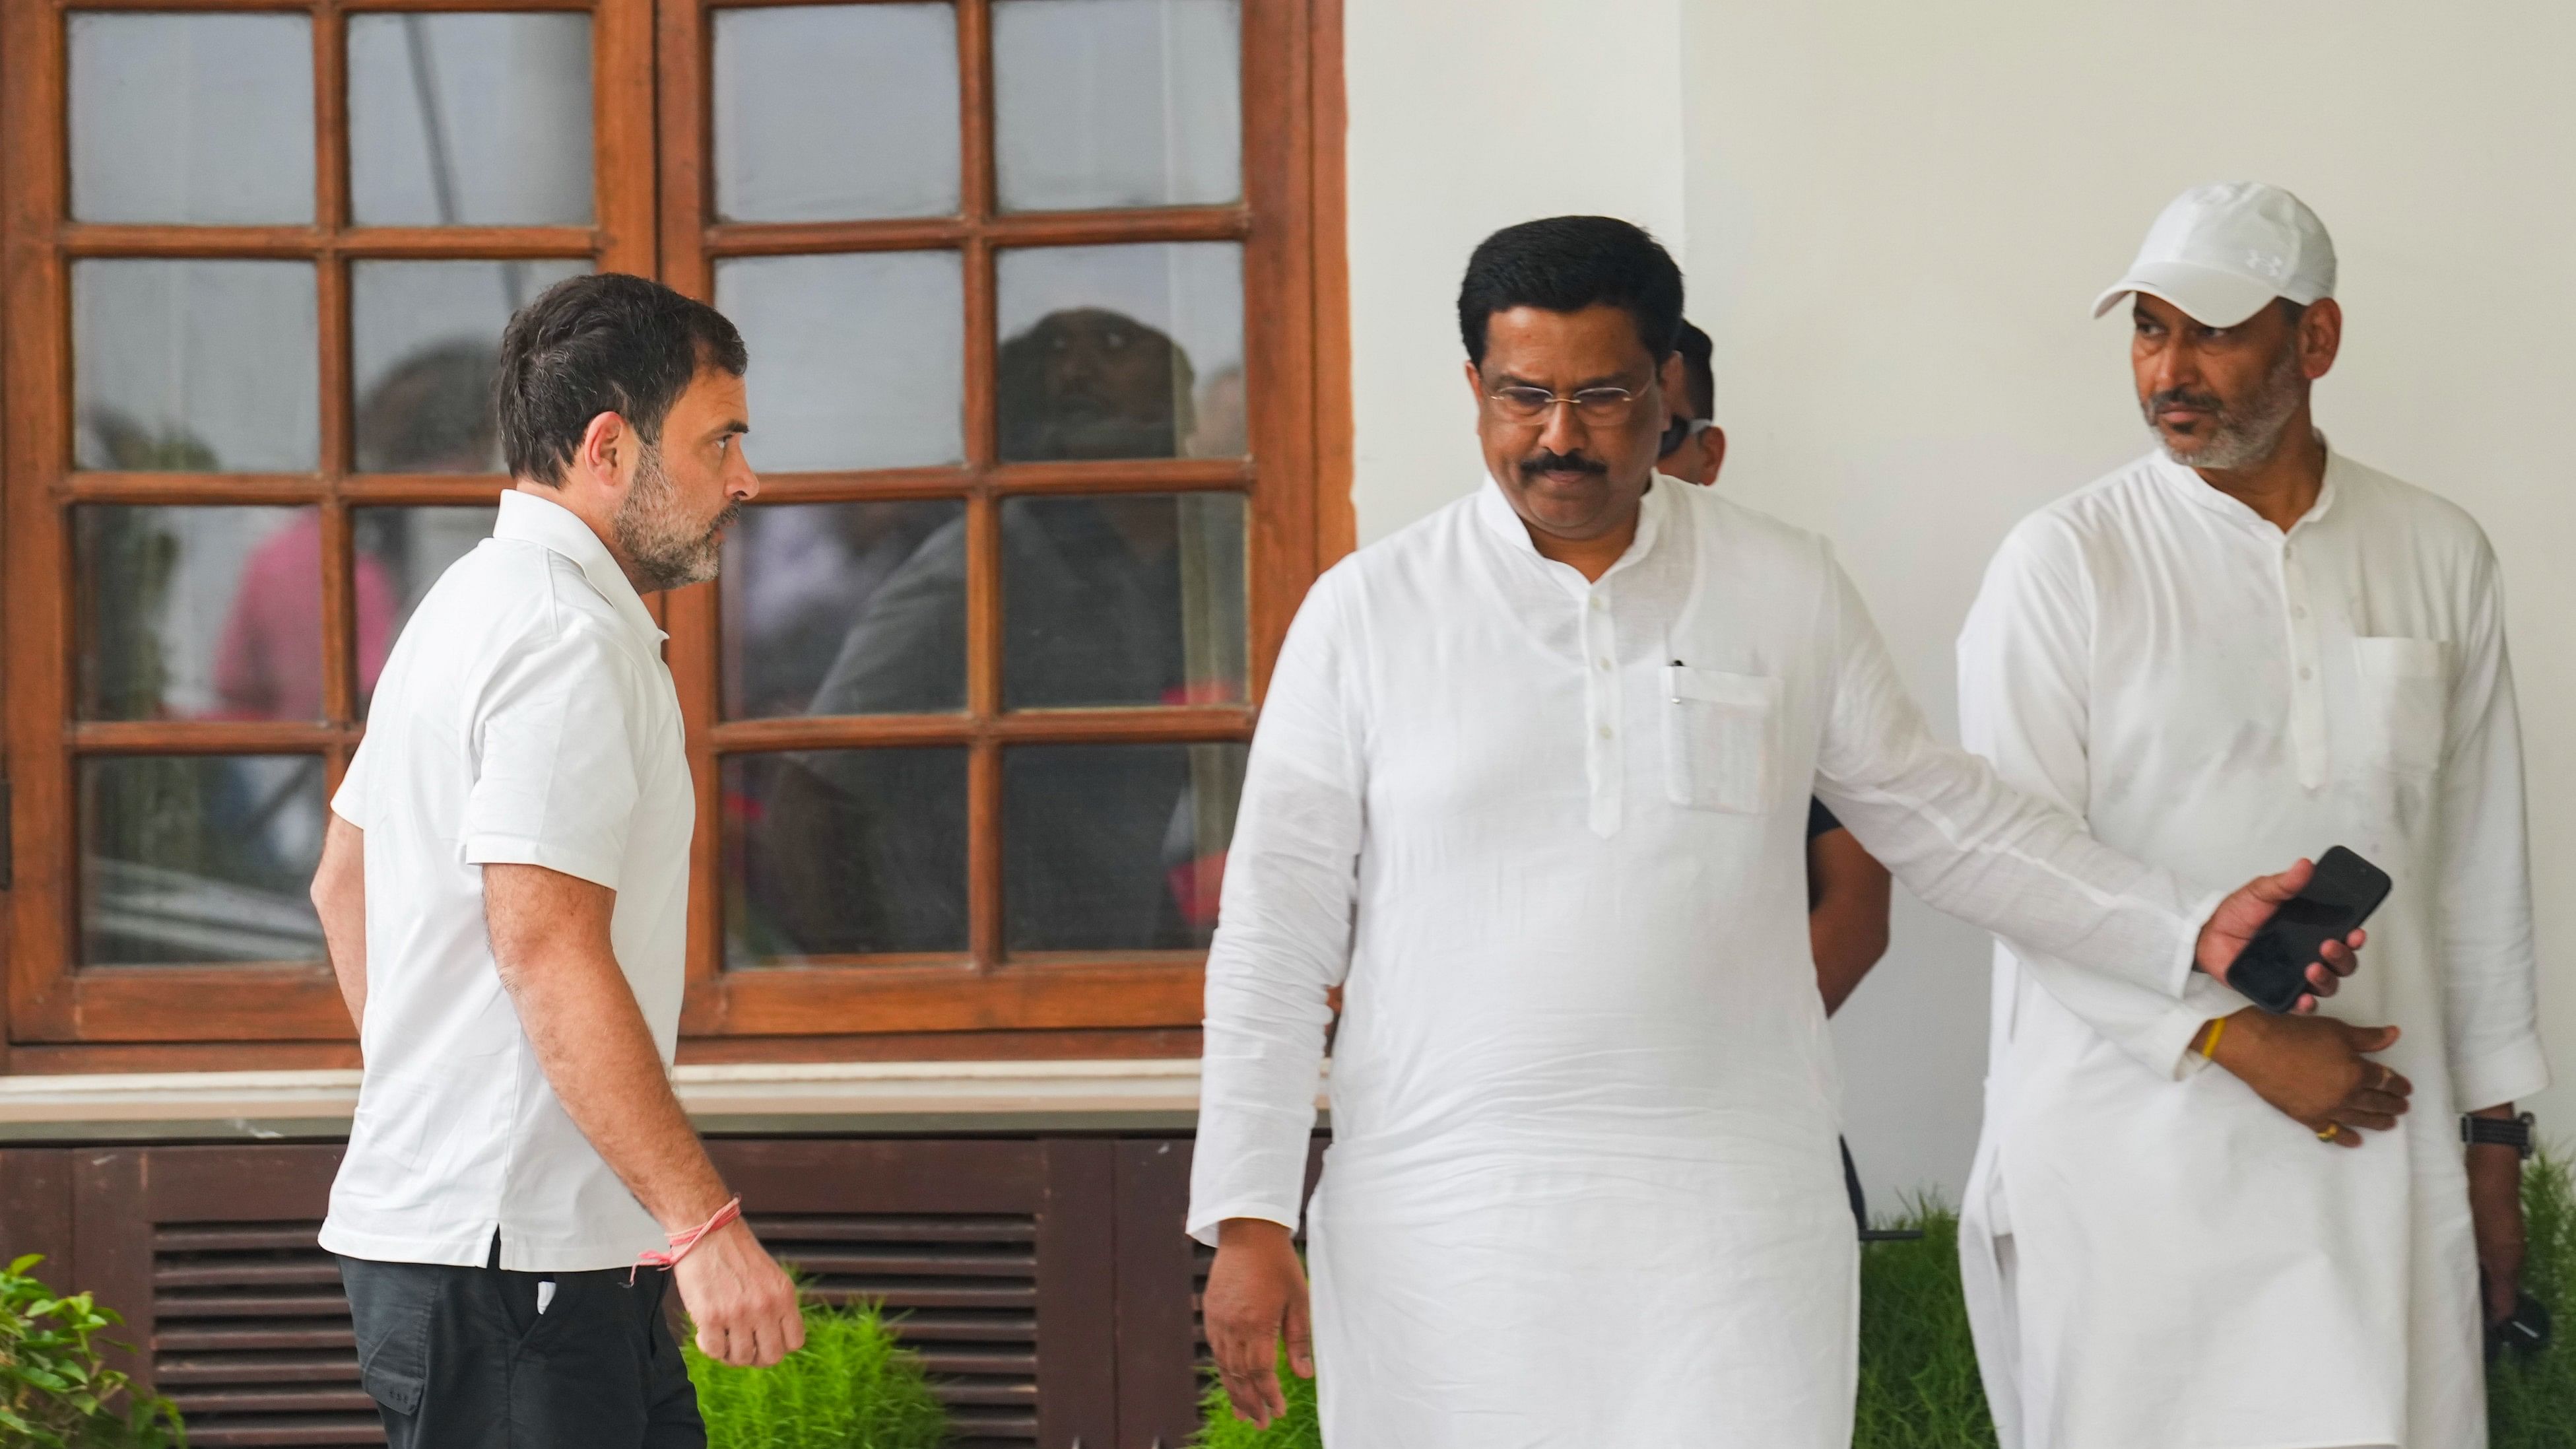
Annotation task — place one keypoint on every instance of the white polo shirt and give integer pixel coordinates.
(525, 716)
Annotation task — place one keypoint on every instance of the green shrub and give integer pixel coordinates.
(1918, 1366)
(55, 1391)
(1299, 1428)
(852, 1386)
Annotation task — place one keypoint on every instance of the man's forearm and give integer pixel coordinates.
(340, 901)
(597, 1053)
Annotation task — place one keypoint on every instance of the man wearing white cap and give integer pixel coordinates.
(2241, 646)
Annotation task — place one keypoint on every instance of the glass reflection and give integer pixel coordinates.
(1121, 352)
(400, 553)
(862, 357)
(1115, 847)
(1116, 103)
(1123, 600)
(469, 120)
(835, 112)
(199, 366)
(204, 120)
(805, 599)
(426, 342)
(198, 858)
(202, 613)
(843, 852)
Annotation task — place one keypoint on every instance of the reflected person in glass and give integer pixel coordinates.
(1092, 617)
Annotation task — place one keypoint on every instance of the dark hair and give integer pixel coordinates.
(1696, 351)
(601, 343)
(1568, 263)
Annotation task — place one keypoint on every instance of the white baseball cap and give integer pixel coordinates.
(2221, 251)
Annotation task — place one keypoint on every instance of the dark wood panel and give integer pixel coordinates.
(1158, 1379)
(1077, 1296)
(36, 1211)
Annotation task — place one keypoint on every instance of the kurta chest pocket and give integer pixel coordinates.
(1717, 738)
(2405, 702)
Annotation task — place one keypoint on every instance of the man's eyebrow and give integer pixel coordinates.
(728, 427)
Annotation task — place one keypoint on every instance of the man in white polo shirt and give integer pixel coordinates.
(2243, 645)
(504, 890)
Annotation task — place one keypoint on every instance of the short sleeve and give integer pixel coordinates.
(555, 778)
(349, 802)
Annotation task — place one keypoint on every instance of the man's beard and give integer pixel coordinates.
(668, 548)
(2239, 438)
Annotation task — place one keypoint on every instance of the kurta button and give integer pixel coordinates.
(2298, 611)
(1605, 732)
(2306, 673)
(1600, 603)
(1605, 663)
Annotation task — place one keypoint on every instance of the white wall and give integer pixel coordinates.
(1467, 116)
(1893, 217)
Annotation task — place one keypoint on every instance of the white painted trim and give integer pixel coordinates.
(755, 1097)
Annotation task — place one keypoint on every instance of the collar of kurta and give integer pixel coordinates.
(528, 518)
(1496, 510)
(2196, 490)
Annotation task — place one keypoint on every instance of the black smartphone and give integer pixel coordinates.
(2272, 970)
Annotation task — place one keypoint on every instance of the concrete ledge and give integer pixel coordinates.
(840, 1097)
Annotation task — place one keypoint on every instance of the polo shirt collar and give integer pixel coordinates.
(528, 518)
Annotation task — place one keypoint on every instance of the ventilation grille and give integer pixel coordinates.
(962, 1292)
(251, 1332)
(250, 1337)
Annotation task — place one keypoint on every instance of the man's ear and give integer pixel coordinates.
(1475, 384)
(603, 447)
(2320, 337)
(1712, 446)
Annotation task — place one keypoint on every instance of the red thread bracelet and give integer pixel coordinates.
(682, 1243)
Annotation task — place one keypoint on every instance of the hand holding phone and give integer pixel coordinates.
(2272, 970)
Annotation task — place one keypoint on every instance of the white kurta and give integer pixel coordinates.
(2155, 1258)
(1583, 1187)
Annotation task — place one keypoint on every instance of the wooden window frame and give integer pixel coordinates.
(655, 217)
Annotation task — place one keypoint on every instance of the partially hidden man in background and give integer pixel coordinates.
(1530, 786)
(503, 889)
(1847, 889)
(2242, 645)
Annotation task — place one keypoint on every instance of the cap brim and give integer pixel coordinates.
(2209, 296)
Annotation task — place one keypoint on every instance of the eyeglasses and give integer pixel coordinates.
(1606, 406)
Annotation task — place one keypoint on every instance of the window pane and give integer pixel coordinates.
(833, 112)
(1115, 847)
(842, 852)
(845, 608)
(1123, 599)
(195, 366)
(427, 340)
(469, 120)
(190, 858)
(1116, 103)
(400, 553)
(198, 613)
(858, 359)
(1121, 352)
(206, 119)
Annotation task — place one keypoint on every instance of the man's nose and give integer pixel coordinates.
(2177, 365)
(1562, 431)
(744, 485)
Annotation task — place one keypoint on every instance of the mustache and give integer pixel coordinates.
(2184, 397)
(725, 519)
(1545, 461)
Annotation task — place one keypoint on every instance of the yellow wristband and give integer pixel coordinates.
(2209, 1048)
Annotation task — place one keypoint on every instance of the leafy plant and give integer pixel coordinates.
(852, 1386)
(1299, 1428)
(55, 1389)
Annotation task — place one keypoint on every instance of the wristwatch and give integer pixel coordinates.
(2513, 1132)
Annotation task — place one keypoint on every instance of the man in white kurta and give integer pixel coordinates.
(1545, 831)
(2156, 1257)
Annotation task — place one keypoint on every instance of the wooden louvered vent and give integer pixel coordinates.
(250, 1336)
(962, 1291)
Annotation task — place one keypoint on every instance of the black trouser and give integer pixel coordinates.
(461, 1358)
